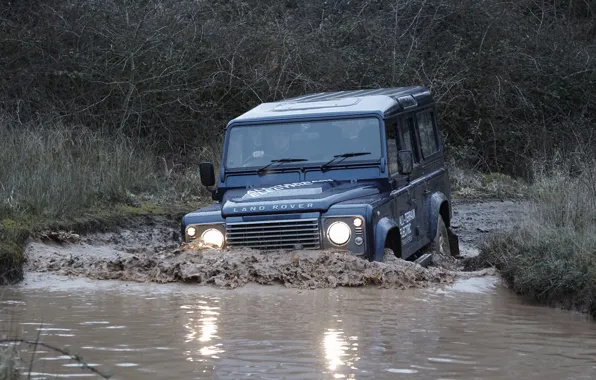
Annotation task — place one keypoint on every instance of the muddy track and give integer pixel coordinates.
(147, 252)
(474, 221)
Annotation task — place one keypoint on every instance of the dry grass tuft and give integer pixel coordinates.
(8, 363)
(550, 255)
(472, 184)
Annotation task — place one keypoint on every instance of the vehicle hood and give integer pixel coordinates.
(293, 197)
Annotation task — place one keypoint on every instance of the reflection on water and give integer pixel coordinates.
(334, 348)
(473, 330)
(202, 328)
(340, 353)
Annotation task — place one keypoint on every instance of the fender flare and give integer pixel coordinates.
(384, 225)
(436, 200)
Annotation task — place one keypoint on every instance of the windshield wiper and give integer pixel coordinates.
(281, 161)
(343, 157)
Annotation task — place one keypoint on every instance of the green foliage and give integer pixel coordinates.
(56, 172)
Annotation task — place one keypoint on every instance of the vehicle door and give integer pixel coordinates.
(431, 164)
(412, 216)
(401, 193)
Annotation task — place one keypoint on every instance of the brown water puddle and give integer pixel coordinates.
(472, 329)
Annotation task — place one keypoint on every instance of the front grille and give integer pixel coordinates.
(278, 234)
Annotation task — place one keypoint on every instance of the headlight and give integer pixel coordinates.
(339, 233)
(191, 231)
(212, 237)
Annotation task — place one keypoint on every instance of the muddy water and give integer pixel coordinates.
(473, 329)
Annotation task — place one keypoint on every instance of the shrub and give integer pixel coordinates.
(550, 255)
(510, 85)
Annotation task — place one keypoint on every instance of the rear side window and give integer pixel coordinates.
(390, 130)
(407, 140)
(427, 132)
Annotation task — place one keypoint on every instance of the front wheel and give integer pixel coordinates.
(440, 244)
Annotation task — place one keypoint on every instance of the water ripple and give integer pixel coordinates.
(469, 332)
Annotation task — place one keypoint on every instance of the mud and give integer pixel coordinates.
(147, 252)
(474, 221)
(230, 269)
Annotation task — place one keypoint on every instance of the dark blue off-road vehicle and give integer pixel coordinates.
(359, 171)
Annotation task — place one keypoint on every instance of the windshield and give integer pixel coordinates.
(312, 142)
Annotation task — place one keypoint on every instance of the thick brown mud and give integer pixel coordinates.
(301, 269)
(147, 252)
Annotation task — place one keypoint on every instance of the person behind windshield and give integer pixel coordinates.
(276, 145)
(280, 143)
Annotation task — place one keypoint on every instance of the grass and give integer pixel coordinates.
(8, 363)
(550, 254)
(474, 185)
(75, 178)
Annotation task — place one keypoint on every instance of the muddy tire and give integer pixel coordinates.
(439, 246)
(389, 256)
(440, 249)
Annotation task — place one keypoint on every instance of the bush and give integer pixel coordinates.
(510, 85)
(550, 255)
(11, 260)
(59, 171)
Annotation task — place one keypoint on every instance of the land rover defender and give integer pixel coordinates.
(358, 171)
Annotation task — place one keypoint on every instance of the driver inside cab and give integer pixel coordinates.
(275, 145)
(280, 142)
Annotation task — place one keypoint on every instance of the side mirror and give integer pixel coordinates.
(207, 174)
(405, 161)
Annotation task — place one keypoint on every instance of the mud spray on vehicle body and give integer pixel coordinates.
(350, 190)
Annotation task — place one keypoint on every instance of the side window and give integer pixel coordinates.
(390, 130)
(427, 133)
(407, 138)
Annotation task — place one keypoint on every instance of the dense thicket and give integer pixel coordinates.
(514, 78)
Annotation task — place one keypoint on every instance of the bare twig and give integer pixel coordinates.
(34, 351)
(74, 357)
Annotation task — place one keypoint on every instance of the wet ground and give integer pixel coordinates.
(147, 252)
(474, 221)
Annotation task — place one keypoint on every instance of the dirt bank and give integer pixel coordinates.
(148, 252)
